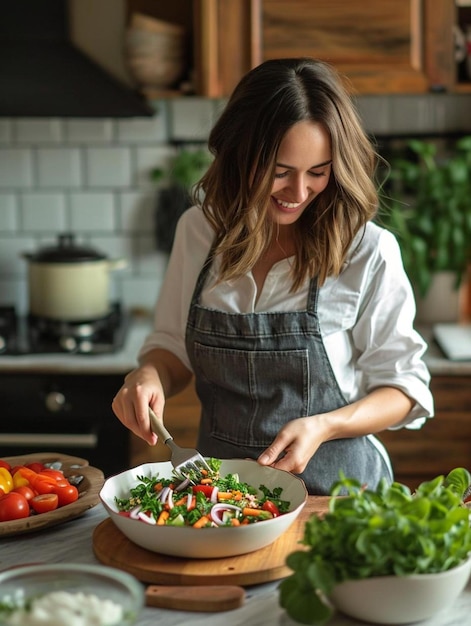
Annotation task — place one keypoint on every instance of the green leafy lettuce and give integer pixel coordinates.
(390, 531)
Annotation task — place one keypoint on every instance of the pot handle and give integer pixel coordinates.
(117, 264)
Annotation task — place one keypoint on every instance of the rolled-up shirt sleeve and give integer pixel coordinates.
(389, 350)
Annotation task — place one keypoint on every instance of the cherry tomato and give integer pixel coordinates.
(25, 491)
(66, 493)
(271, 507)
(36, 466)
(13, 506)
(52, 473)
(206, 489)
(5, 465)
(44, 502)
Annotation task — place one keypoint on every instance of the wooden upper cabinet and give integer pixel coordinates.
(382, 47)
(388, 46)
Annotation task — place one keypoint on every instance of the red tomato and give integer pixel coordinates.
(271, 507)
(13, 506)
(25, 491)
(67, 493)
(5, 465)
(43, 486)
(52, 473)
(206, 489)
(45, 502)
(36, 467)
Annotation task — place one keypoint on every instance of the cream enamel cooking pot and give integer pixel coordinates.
(68, 282)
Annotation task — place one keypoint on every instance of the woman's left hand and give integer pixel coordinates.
(294, 446)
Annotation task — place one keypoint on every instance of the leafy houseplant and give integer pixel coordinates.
(431, 211)
(387, 532)
(174, 197)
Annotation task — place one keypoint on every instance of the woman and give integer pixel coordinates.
(289, 306)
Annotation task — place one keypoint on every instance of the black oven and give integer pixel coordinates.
(66, 413)
(53, 409)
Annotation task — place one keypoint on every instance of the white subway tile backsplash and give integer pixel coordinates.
(108, 167)
(92, 212)
(12, 251)
(150, 262)
(38, 131)
(85, 131)
(136, 212)
(8, 212)
(116, 248)
(59, 168)
(149, 158)
(191, 119)
(5, 131)
(43, 212)
(16, 168)
(140, 293)
(144, 130)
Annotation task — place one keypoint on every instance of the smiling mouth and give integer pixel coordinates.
(288, 205)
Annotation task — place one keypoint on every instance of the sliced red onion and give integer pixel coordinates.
(183, 485)
(134, 513)
(218, 509)
(170, 498)
(149, 519)
(163, 494)
(214, 494)
(189, 498)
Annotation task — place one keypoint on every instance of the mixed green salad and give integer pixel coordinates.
(211, 500)
(390, 531)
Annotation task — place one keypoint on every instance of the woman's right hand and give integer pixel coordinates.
(161, 375)
(141, 388)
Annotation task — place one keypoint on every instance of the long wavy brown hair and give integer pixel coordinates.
(235, 191)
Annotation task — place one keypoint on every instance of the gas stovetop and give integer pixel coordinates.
(21, 335)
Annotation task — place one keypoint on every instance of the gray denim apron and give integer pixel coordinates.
(254, 372)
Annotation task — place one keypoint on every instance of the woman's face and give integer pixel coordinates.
(303, 167)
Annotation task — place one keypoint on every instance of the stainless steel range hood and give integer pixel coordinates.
(42, 74)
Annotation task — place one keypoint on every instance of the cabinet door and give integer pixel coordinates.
(226, 44)
(379, 46)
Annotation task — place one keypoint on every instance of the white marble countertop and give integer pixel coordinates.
(72, 543)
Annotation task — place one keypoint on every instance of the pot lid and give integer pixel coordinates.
(66, 251)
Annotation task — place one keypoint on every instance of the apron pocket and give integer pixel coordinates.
(252, 393)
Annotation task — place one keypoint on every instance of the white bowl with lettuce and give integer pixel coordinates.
(179, 534)
(386, 557)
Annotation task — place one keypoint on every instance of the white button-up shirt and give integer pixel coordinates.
(366, 314)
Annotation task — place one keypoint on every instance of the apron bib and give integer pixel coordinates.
(254, 372)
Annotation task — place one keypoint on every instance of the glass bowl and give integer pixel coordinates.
(115, 597)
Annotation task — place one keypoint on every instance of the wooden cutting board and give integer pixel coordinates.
(113, 548)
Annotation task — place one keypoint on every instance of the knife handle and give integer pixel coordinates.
(195, 597)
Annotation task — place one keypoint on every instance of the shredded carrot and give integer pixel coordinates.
(235, 522)
(181, 501)
(204, 472)
(253, 512)
(237, 495)
(224, 495)
(158, 487)
(163, 517)
(203, 520)
(206, 481)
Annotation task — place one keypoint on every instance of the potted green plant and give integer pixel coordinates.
(385, 556)
(174, 195)
(430, 211)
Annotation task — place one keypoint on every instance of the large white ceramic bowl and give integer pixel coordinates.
(206, 543)
(400, 599)
(115, 597)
